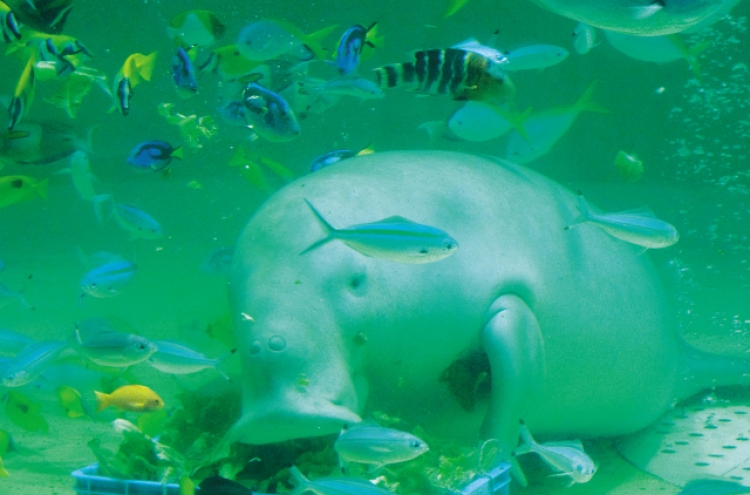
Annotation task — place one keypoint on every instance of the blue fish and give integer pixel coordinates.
(108, 277)
(154, 155)
(123, 93)
(183, 73)
(12, 342)
(139, 223)
(9, 24)
(234, 113)
(350, 48)
(336, 156)
(269, 115)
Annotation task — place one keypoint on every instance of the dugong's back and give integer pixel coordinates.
(609, 353)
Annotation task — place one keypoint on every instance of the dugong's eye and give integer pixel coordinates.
(357, 282)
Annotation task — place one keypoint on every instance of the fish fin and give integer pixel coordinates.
(517, 120)
(330, 231)
(584, 215)
(395, 219)
(641, 13)
(102, 401)
(573, 444)
(453, 7)
(585, 104)
(313, 41)
(367, 150)
(433, 128)
(97, 203)
(641, 211)
(41, 188)
(177, 153)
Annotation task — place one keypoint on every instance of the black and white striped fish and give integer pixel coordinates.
(464, 74)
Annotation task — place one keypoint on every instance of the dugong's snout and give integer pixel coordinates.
(298, 382)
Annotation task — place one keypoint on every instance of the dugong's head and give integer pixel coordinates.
(318, 329)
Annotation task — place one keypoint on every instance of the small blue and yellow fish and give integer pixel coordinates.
(377, 446)
(140, 224)
(153, 155)
(178, 359)
(9, 24)
(137, 68)
(109, 275)
(269, 115)
(334, 486)
(62, 53)
(638, 226)
(29, 364)
(350, 48)
(535, 57)
(110, 341)
(195, 27)
(17, 188)
(133, 398)
(394, 239)
(48, 16)
(23, 95)
(336, 156)
(347, 85)
(183, 74)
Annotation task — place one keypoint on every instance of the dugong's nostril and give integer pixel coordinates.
(276, 343)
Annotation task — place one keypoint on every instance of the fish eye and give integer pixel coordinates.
(448, 246)
(423, 251)
(415, 444)
(141, 347)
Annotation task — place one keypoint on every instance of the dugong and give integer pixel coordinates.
(639, 17)
(570, 328)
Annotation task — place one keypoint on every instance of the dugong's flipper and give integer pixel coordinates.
(513, 343)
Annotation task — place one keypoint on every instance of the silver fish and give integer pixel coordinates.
(136, 221)
(110, 341)
(347, 85)
(334, 486)
(109, 275)
(179, 359)
(377, 446)
(11, 343)
(31, 362)
(639, 226)
(218, 261)
(567, 458)
(394, 239)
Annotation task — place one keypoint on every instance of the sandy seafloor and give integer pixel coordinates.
(690, 132)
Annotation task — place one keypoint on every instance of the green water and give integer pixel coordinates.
(692, 135)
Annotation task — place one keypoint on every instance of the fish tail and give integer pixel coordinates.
(102, 401)
(177, 153)
(144, 65)
(313, 41)
(299, 478)
(41, 188)
(97, 202)
(584, 215)
(691, 55)
(527, 441)
(367, 150)
(586, 104)
(330, 231)
(221, 360)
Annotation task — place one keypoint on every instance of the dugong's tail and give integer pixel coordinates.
(702, 370)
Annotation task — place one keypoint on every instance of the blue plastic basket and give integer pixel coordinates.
(88, 482)
(495, 482)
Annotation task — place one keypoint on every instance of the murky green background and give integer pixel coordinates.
(692, 135)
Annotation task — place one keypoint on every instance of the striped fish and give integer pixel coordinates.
(463, 74)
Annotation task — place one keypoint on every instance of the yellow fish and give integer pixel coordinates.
(70, 400)
(17, 188)
(196, 27)
(228, 63)
(3, 472)
(23, 95)
(24, 412)
(137, 68)
(134, 398)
